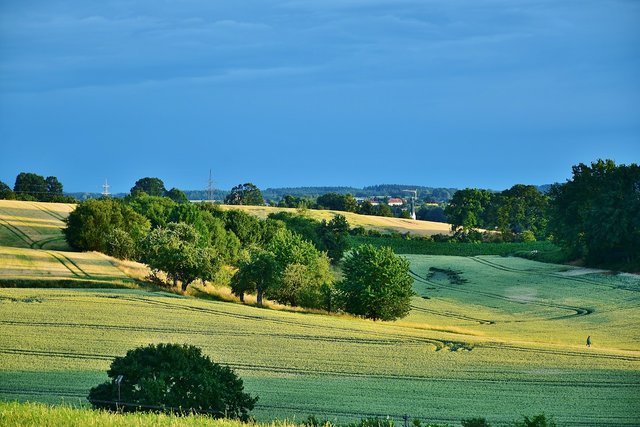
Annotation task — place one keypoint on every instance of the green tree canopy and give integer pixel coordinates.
(178, 250)
(596, 214)
(177, 196)
(91, 225)
(173, 378)
(5, 192)
(335, 237)
(522, 208)
(290, 248)
(245, 194)
(156, 209)
(30, 184)
(255, 274)
(54, 187)
(467, 209)
(376, 283)
(150, 186)
(338, 202)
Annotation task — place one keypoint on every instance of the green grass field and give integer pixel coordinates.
(499, 337)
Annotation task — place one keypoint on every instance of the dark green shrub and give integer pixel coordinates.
(172, 378)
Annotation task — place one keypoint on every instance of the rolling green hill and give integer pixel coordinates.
(487, 336)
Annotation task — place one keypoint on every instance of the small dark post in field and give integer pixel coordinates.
(118, 381)
(405, 417)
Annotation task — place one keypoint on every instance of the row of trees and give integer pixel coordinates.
(520, 211)
(286, 257)
(594, 216)
(34, 187)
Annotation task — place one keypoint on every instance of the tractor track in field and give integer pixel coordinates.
(559, 382)
(66, 262)
(578, 311)
(49, 212)
(186, 331)
(17, 232)
(29, 241)
(555, 275)
(439, 344)
(504, 346)
(453, 315)
(41, 243)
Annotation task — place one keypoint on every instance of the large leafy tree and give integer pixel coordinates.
(6, 192)
(178, 250)
(91, 226)
(30, 184)
(177, 195)
(245, 194)
(329, 236)
(376, 283)
(156, 209)
(338, 202)
(522, 208)
(255, 274)
(54, 187)
(290, 248)
(172, 378)
(335, 237)
(467, 209)
(149, 185)
(596, 214)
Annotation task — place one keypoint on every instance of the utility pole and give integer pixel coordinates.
(210, 188)
(105, 189)
(414, 197)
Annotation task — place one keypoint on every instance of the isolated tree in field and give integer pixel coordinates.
(376, 283)
(596, 214)
(172, 378)
(150, 186)
(245, 194)
(178, 251)
(90, 225)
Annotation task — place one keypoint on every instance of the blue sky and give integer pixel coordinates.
(452, 93)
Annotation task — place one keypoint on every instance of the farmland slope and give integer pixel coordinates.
(487, 336)
(369, 222)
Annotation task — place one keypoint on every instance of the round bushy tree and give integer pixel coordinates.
(376, 283)
(172, 378)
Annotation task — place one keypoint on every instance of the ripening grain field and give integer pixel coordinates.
(487, 336)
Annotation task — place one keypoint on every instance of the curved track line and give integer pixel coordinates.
(49, 212)
(578, 311)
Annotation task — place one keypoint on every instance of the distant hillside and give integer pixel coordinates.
(430, 194)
